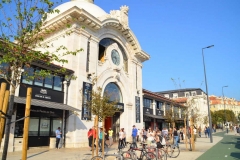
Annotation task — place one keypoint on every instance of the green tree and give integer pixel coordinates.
(101, 106)
(22, 36)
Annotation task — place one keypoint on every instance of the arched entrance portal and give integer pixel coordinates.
(113, 91)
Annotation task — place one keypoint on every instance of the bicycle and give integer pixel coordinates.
(144, 154)
(171, 150)
(119, 155)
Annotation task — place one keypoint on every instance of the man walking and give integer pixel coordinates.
(134, 134)
(58, 136)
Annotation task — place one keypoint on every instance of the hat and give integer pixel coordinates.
(133, 125)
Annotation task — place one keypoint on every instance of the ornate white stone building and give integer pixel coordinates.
(111, 52)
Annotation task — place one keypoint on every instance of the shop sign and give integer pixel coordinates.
(42, 93)
(120, 107)
(138, 113)
(87, 88)
(159, 112)
(147, 110)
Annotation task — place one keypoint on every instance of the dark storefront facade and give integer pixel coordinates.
(46, 114)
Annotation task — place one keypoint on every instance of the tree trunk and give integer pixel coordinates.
(185, 132)
(26, 124)
(103, 136)
(8, 123)
(97, 137)
(192, 135)
(95, 126)
(2, 98)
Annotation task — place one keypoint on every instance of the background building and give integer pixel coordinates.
(155, 110)
(220, 103)
(193, 98)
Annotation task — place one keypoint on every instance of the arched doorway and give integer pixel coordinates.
(112, 90)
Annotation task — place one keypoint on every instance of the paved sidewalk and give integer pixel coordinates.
(201, 145)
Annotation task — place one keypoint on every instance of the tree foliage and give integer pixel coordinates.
(100, 105)
(219, 116)
(23, 43)
(22, 40)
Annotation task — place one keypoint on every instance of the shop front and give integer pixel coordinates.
(148, 120)
(47, 113)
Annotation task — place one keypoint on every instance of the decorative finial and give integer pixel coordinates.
(90, 1)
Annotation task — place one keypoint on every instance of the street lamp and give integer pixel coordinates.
(209, 113)
(224, 108)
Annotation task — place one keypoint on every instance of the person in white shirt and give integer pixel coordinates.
(121, 137)
(195, 133)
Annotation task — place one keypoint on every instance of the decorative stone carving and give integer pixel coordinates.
(121, 15)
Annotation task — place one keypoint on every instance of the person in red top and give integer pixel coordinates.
(90, 138)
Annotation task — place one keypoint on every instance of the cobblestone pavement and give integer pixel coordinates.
(201, 146)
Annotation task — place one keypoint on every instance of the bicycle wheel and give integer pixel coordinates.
(148, 156)
(97, 158)
(175, 151)
(126, 155)
(161, 154)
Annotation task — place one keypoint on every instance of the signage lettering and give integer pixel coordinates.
(138, 113)
(87, 88)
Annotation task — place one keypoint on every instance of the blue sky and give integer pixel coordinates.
(173, 33)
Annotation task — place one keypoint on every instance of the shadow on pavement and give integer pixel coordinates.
(235, 155)
(37, 154)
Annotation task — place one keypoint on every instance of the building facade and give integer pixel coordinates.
(156, 111)
(111, 54)
(193, 98)
(225, 103)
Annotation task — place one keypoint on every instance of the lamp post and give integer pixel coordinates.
(209, 113)
(224, 109)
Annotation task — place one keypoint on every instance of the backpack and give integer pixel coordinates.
(162, 140)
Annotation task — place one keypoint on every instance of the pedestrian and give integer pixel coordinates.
(134, 134)
(235, 129)
(138, 135)
(58, 136)
(120, 141)
(100, 139)
(195, 134)
(110, 133)
(90, 138)
(144, 135)
(199, 131)
(181, 133)
(175, 136)
(205, 131)
(208, 131)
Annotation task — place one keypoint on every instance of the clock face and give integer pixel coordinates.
(115, 57)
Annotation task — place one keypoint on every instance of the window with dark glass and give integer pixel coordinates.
(38, 80)
(4, 69)
(159, 105)
(57, 84)
(104, 44)
(48, 81)
(176, 112)
(147, 103)
(28, 73)
(113, 91)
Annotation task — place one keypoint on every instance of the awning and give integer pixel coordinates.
(41, 103)
(153, 116)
